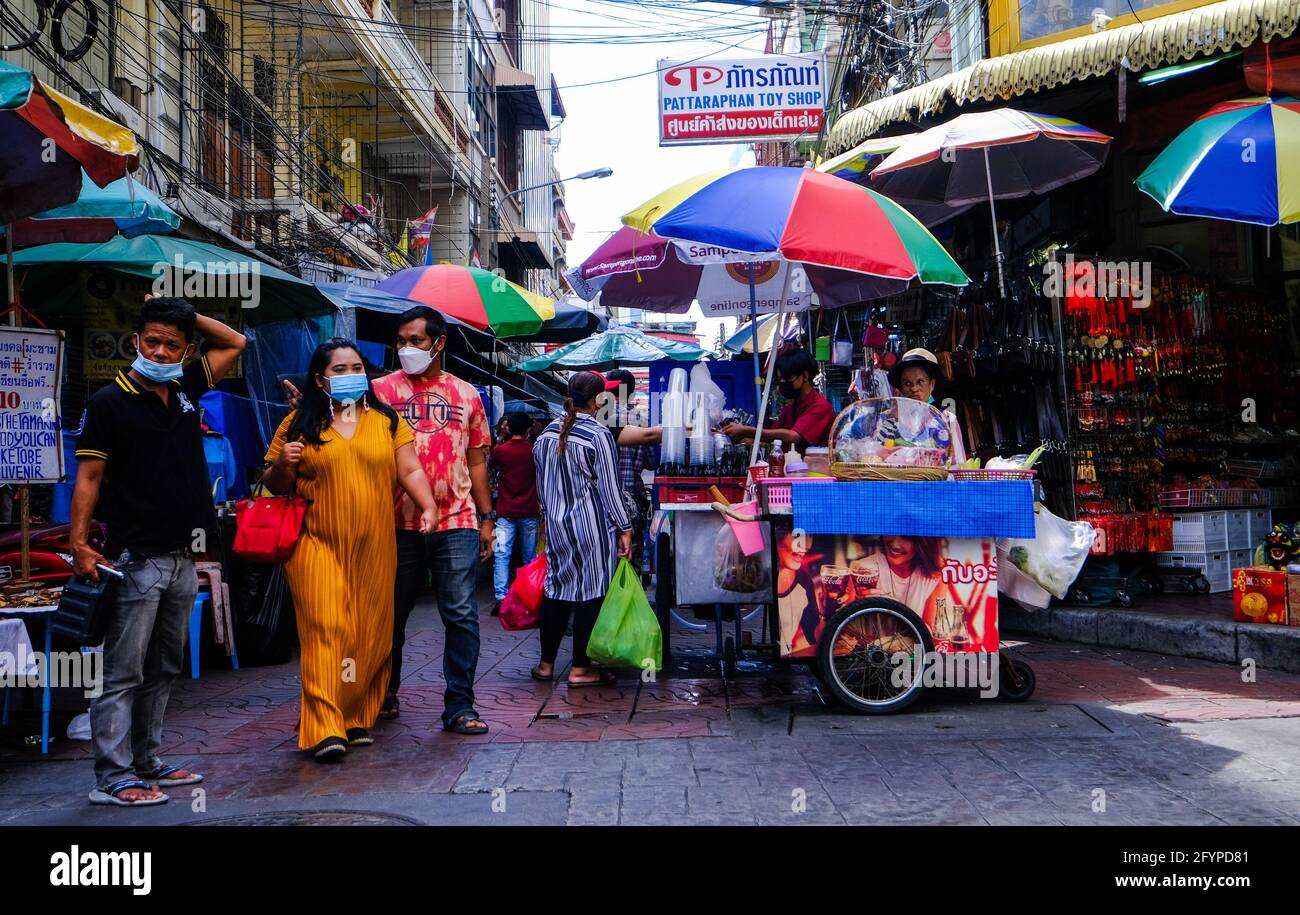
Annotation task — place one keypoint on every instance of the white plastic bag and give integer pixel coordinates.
(79, 727)
(1055, 556)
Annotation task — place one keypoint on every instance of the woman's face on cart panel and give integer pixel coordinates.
(899, 552)
(915, 383)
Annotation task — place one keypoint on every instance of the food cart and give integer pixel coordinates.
(884, 577)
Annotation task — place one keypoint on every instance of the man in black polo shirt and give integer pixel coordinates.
(141, 463)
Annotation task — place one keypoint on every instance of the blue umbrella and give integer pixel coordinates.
(122, 207)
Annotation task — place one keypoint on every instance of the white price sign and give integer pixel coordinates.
(31, 433)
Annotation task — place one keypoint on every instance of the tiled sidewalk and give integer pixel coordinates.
(691, 748)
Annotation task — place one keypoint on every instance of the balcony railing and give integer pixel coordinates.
(388, 48)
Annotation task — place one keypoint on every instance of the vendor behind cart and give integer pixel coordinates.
(806, 419)
(915, 376)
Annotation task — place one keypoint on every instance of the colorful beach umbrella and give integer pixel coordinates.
(620, 345)
(990, 155)
(478, 297)
(842, 234)
(123, 207)
(805, 230)
(35, 176)
(1238, 161)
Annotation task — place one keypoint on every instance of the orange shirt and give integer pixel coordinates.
(447, 418)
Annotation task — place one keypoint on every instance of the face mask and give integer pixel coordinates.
(786, 388)
(348, 389)
(157, 372)
(414, 360)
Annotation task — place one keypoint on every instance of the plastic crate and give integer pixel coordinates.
(1240, 559)
(1238, 525)
(1215, 566)
(985, 474)
(695, 490)
(776, 494)
(1260, 523)
(1201, 532)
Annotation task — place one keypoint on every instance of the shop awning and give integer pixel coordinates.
(1155, 43)
(524, 245)
(519, 90)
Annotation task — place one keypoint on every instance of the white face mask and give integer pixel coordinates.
(414, 360)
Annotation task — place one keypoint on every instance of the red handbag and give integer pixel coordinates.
(267, 527)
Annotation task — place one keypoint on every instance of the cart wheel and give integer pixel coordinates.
(871, 656)
(1188, 583)
(1156, 584)
(1124, 598)
(729, 658)
(1017, 681)
(1202, 585)
(1082, 596)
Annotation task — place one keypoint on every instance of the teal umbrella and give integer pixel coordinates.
(124, 206)
(193, 270)
(616, 346)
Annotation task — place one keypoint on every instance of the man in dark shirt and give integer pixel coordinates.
(517, 509)
(141, 464)
(806, 419)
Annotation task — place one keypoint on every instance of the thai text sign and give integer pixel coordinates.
(774, 97)
(31, 436)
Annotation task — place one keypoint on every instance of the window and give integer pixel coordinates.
(264, 81)
(481, 90)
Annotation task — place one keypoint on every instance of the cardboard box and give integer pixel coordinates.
(1259, 595)
(1293, 597)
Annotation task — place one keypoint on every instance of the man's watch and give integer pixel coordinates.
(490, 516)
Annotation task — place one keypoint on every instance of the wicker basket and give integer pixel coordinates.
(843, 471)
(985, 474)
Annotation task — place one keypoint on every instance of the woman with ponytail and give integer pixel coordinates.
(587, 526)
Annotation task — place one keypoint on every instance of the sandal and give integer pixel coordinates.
(161, 776)
(606, 678)
(331, 749)
(390, 709)
(538, 677)
(110, 795)
(461, 724)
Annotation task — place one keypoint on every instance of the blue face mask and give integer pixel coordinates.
(348, 389)
(157, 372)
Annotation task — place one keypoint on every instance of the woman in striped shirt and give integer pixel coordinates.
(587, 526)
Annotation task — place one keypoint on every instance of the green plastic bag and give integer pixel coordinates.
(627, 633)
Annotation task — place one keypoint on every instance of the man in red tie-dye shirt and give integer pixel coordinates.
(452, 440)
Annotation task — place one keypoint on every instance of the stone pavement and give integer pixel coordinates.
(1111, 737)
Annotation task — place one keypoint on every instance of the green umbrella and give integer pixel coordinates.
(613, 347)
(192, 270)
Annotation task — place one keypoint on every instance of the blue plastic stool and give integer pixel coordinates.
(196, 628)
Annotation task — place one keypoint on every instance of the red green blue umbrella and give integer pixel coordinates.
(1238, 161)
(803, 216)
(478, 297)
(844, 241)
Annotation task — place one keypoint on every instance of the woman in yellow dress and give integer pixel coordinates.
(344, 451)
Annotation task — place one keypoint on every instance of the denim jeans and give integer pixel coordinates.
(452, 559)
(508, 529)
(144, 650)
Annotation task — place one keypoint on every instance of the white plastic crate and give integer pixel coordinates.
(1213, 565)
(1238, 525)
(1240, 559)
(1201, 532)
(1261, 522)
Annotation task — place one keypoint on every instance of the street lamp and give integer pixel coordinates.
(602, 172)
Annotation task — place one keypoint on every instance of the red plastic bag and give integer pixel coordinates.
(522, 607)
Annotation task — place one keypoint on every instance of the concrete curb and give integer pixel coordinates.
(1182, 635)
